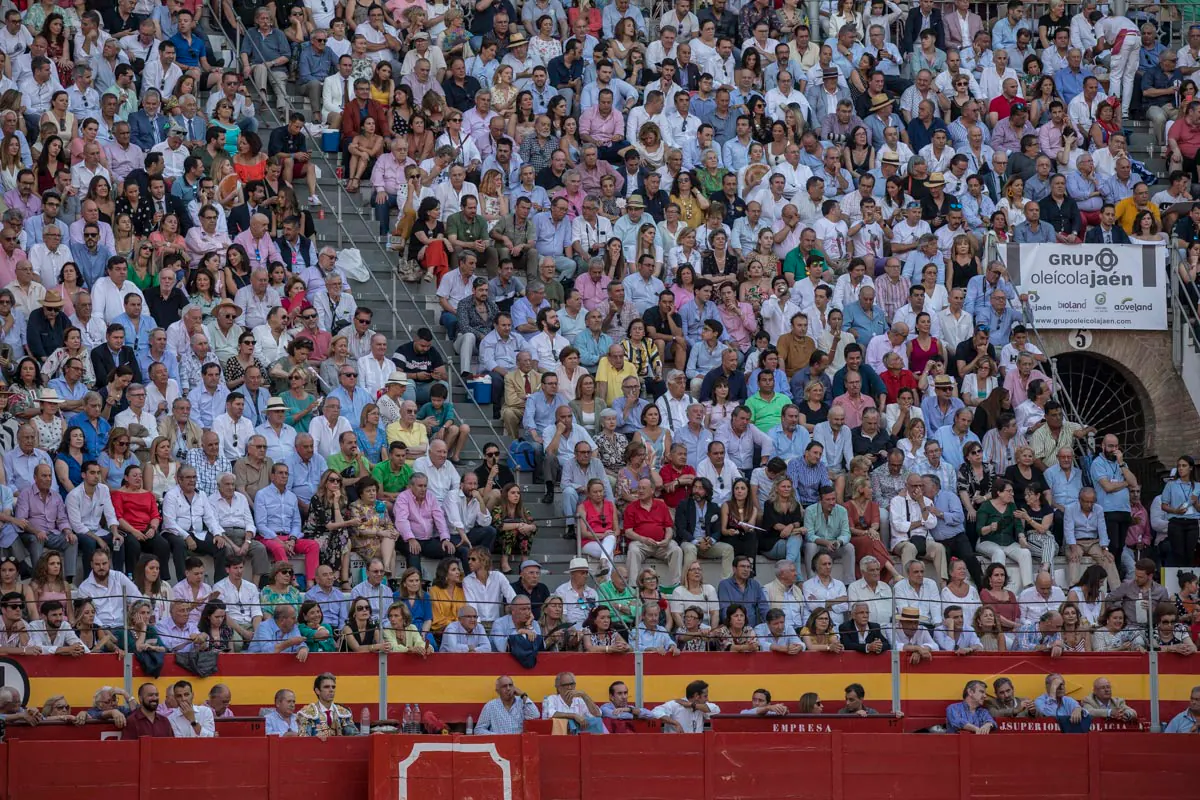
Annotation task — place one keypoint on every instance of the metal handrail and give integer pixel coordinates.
(1185, 315)
(315, 148)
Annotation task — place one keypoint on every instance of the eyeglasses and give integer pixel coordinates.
(286, 571)
(308, 316)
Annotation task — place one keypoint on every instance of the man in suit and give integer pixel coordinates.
(924, 17)
(519, 384)
(860, 634)
(336, 92)
(179, 429)
(961, 17)
(114, 353)
(1108, 231)
(239, 216)
(148, 126)
(698, 522)
(164, 203)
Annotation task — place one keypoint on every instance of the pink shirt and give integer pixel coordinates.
(8, 265)
(420, 521)
(261, 251)
(854, 410)
(121, 162)
(740, 325)
(602, 130)
(594, 292)
(388, 175)
(590, 178)
(1019, 392)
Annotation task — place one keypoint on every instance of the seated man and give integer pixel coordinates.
(774, 636)
(1006, 703)
(970, 715)
(325, 716)
(466, 634)
(279, 633)
(1055, 702)
(508, 712)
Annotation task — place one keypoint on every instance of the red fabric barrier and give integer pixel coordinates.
(454, 768)
(641, 767)
(303, 767)
(57, 770)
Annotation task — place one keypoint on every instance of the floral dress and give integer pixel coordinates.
(271, 598)
(334, 544)
(366, 538)
(512, 542)
(725, 638)
(612, 451)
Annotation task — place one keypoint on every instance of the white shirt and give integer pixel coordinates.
(927, 598)
(905, 518)
(372, 374)
(461, 514)
(240, 602)
(85, 512)
(546, 349)
(554, 704)
(722, 482)
(108, 300)
(576, 604)
(817, 594)
(920, 638)
(1033, 605)
(325, 440)
(488, 600)
(204, 718)
(442, 481)
(878, 599)
(233, 435)
(41, 638)
(689, 720)
(266, 347)
(234, 513)
(195, 517)
(146, 419)
(110, 611)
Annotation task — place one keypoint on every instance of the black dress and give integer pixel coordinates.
(768, 537)
(962, 273)
(414, 244)
(1019, 482)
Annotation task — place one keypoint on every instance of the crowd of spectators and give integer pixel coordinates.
(727, 271)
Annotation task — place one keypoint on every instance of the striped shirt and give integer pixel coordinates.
(495, 719)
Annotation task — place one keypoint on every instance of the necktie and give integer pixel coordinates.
(329, 718)
(528, 387)
(345, 90)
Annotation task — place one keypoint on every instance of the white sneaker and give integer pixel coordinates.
(313, 200)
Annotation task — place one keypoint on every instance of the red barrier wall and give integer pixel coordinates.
(713, 766)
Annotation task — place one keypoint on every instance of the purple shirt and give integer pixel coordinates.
(48, 515)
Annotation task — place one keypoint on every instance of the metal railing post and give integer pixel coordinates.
(639, 695)
(383, 667)
(127, 659)
(895, 661)
(1155, 717)
(339, 230)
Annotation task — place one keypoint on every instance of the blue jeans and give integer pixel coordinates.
(450, 323)
(248, 124)
(383, 213)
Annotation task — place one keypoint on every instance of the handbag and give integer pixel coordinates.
(151, 662)
(202, 663)
(520, 457)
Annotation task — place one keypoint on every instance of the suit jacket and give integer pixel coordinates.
(239, 218)
(514, 388)
(351, 122)
(816, 100)
(176, 206)
(191, 434)
(850, 641)
(685, 521)
(141, 129)
(953, 33)
(103, 364)
(43, 337)
(912, 30)
(1096, 236)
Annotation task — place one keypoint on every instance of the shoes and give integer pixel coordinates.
(569, 533)
(548, 497)
(314, 201)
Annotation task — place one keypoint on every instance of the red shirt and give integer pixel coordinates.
(894, 383)
(139, 509)
(1003, 106)
(680, 493)
(1187, 137)
(654, 523)
(137, 726)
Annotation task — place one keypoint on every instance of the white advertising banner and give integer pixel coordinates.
(1099, 286)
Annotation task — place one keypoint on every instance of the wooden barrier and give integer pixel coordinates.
(807, 723)
(712, 766)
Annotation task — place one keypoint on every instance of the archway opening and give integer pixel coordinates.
(1103, 395)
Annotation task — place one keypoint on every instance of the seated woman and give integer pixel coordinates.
(361, 633)
(214, 624)
(138, 636)
(318, 634)
(402, 635)
(598, 633)
(416, 601)
(819, 634)
(446, 595)
(94, 638)
(279, 589)
(735, 636)
(374, 534)
(329, 524)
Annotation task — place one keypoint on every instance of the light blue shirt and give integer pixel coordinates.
(139, 341)
(966, 637)
(1048, 706)
(934, 418)
(145, 359)
(702, 361)
(612, 15)
(1004, 35)
(979, 293)
(1103, 468)
(864, 326)
(785, 447)
(505, 627)
(279, 445)
(268, 635)
(838, 451)
(693, 320)
(622, 91)
(457, 640)
(644, 639)
(303, 478)
(642, 293)
(1183, 722)
(352, 406)
(1063, 490)
(276, 512)
(1177, 494)
(333, 602)
(744, 238)
(1077, 525)
(539, 412)
(736, 155)
(976, 212)
(952, 445)
(767, 640)
(1001, 324)
(496, 352)
(592, 349)
(205, 406)
(696, 443)
(380, 597)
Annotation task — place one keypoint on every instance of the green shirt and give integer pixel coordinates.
(391, 482)
(458, 226)
(440, 417)
(611, 598)
(794, 264)
(835, 528)
(1009, 527)
(765, 414)
(338, 463)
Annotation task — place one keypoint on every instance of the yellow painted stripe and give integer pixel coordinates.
(260, 690)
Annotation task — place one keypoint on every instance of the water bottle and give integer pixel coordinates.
(470, 726)
(417, 718)
(364, 727)
(406, 725)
